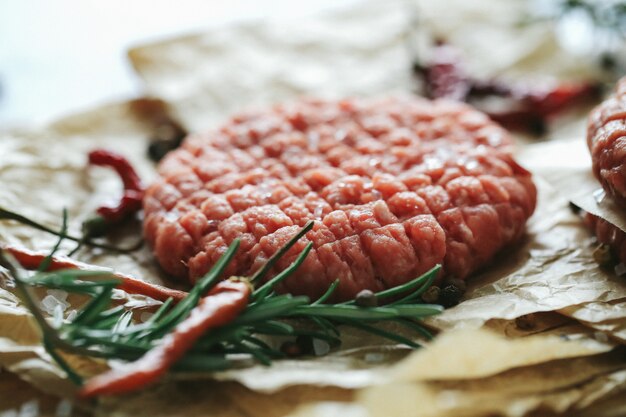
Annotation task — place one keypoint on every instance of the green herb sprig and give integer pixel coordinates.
(6, 214)
(102, 329)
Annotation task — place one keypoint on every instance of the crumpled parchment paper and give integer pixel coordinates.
(549, 284)
(470, 386)
(573, 179)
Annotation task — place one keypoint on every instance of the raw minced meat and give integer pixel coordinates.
(606, 138)
(394, 185)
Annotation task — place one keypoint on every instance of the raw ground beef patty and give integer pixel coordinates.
(606, 138)
(394, 185)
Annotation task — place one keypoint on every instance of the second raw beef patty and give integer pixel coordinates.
(395, 186)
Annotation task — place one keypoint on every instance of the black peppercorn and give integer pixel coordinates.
(458, 283)
(526, 322)
(366, 298)
(451, 293)
(305, 343)
(167, 137)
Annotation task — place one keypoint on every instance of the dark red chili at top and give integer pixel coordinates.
(554, 99)
(528, 108)
(445, 76)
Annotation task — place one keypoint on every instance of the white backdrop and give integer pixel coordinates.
(58, 56)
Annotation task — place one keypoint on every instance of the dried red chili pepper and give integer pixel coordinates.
(528, 108)
(120, 164)
(537, 105)
(555, 98)
(221, 306)
(131, 200)
(521, 120)
(31, 260)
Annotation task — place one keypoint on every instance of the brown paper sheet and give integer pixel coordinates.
(571, 175)
(573, 179)
(471, 386)
(442, 361)
(550, 276)
(550, 272)
(207, 77)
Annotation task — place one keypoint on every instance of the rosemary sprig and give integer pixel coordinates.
(6, 214)
(101, 329)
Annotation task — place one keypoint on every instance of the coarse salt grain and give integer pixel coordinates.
(320, 347)
(54, 300)
(599, 195)
(72, 315)
(29, 409)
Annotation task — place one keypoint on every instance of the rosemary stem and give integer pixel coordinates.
(268, 286)
(274, 258)
(71, 374)
(329, 292)
(10, 215)
(103, 330)
(48, 332)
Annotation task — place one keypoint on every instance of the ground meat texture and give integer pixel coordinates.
(394, 186)
(606, 138)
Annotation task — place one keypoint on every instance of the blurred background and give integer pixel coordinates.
(59, 56)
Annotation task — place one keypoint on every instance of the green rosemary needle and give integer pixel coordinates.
(102, 329)
(6, 214)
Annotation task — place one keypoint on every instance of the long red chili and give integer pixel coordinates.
(221, 306)
(31, 260)
(130, 202)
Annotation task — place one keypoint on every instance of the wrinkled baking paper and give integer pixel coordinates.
(184, 71)
(549, 373)
(469, 385)
(205, 77)
(559, 388)
(573, 178)
(364, 50)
